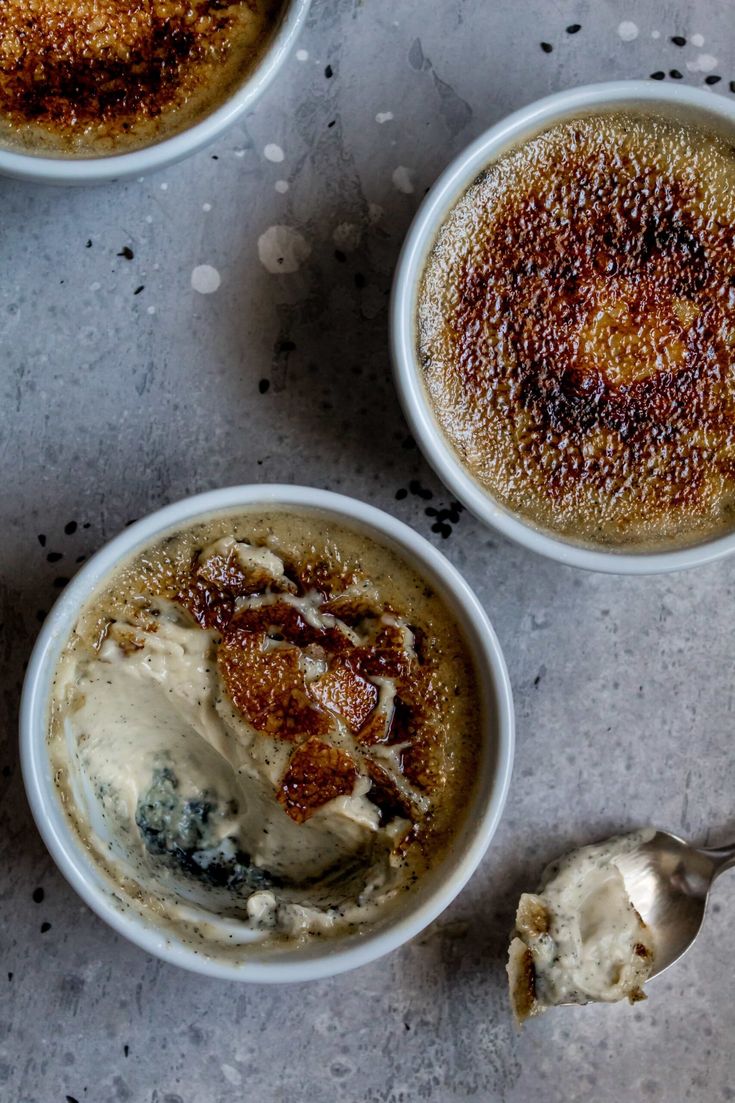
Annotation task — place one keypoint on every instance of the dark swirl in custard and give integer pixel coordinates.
(577, 331)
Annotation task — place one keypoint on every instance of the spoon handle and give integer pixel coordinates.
(722, 856)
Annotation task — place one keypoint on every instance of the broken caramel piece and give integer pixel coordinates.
(266, 685)
(317, 773)
(346, 693)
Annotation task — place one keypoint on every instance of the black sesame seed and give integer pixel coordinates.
(70, 528)
(80, 559)
(60, 582)
(126, 1050)
(712, 79)
(330, 125)
(329, 72)
(340, 256)
(86, 525)
(45, 927)
(732, 85)
(658, 75)
(678, 40)
(546, 47)
(89, 243)
(42, 539)
(126, 252)
(10, 976)
(54, 557)
(264, 385)
(574, 28)
(675, 74)
(139, 289)
(401, 494)
(38, 895)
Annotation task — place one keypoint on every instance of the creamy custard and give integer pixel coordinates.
(265, 728)
(579, 938)
(85, 78)
(576, 331)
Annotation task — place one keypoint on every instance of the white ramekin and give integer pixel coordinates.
(438, 888)
(678, 101)
(122, 166)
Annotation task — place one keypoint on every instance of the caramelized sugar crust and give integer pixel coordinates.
(109, 64)
(577, 331)
(262, 656)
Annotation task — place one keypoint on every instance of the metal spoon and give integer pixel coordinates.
(668, 882)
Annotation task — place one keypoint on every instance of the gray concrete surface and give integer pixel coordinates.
(114, 403)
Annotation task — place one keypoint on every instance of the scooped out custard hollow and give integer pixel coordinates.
(576, 331)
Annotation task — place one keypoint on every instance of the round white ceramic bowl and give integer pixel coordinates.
(122, 166)
(677, 101)
(436, 890)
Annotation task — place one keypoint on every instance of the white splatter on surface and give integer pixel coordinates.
(273, 153)
(151, 310)
(164, 187)
(347, 236)
(402, 180)
(282, 249)
(206, 206)
(302, 55)
(95, 286)
(628, 30)
(149, 218)
(705, 63)
(205, 279)
(384, 116)
(282, 186)
(655, 34)
(231, 1074)
(697, 40)
(239, 152)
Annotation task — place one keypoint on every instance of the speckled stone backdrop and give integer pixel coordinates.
(128, 382)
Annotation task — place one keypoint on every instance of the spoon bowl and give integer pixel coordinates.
(668, 882)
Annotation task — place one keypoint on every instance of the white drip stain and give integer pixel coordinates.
(282, 186)
(705, 63)
(205, 279)
(697, 40)
(347, 236)
(164, 187)
(655, 34)
(206, 206)
(628, 30)
(302, 55)
(151, 310)
(273, 153)
(402, 180)
(282, 249)
(384, 116)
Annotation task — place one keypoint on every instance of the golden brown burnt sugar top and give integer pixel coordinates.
(111, 65)
(577, 331)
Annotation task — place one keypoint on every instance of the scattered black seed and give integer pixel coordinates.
(732, 85)
(130, 522)
(330, 125)
(139, 289)
(10, 976)
(360, 281)
(329, 72)
(45, 927)
(86, 524)
(126, 1050)
(126, 252)
(38, 895)
(658, 75)
(54, 557)
(80, 559)
(215, 157)
(430, 511)
(574, 28)
(401, 494)
(42, 539)
(675, 74)
(407, 1026)
(264, 385)
(340, 256)
(89, 243)
(71, 1099)
(70, 528)
(60, 582)
(546, 47)
(712, 79)
(537, 679)
(420, 491)
(678, 40)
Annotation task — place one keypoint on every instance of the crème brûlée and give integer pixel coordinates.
(580, 939)
(576, 331)
(94, 77)
(269, 721)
